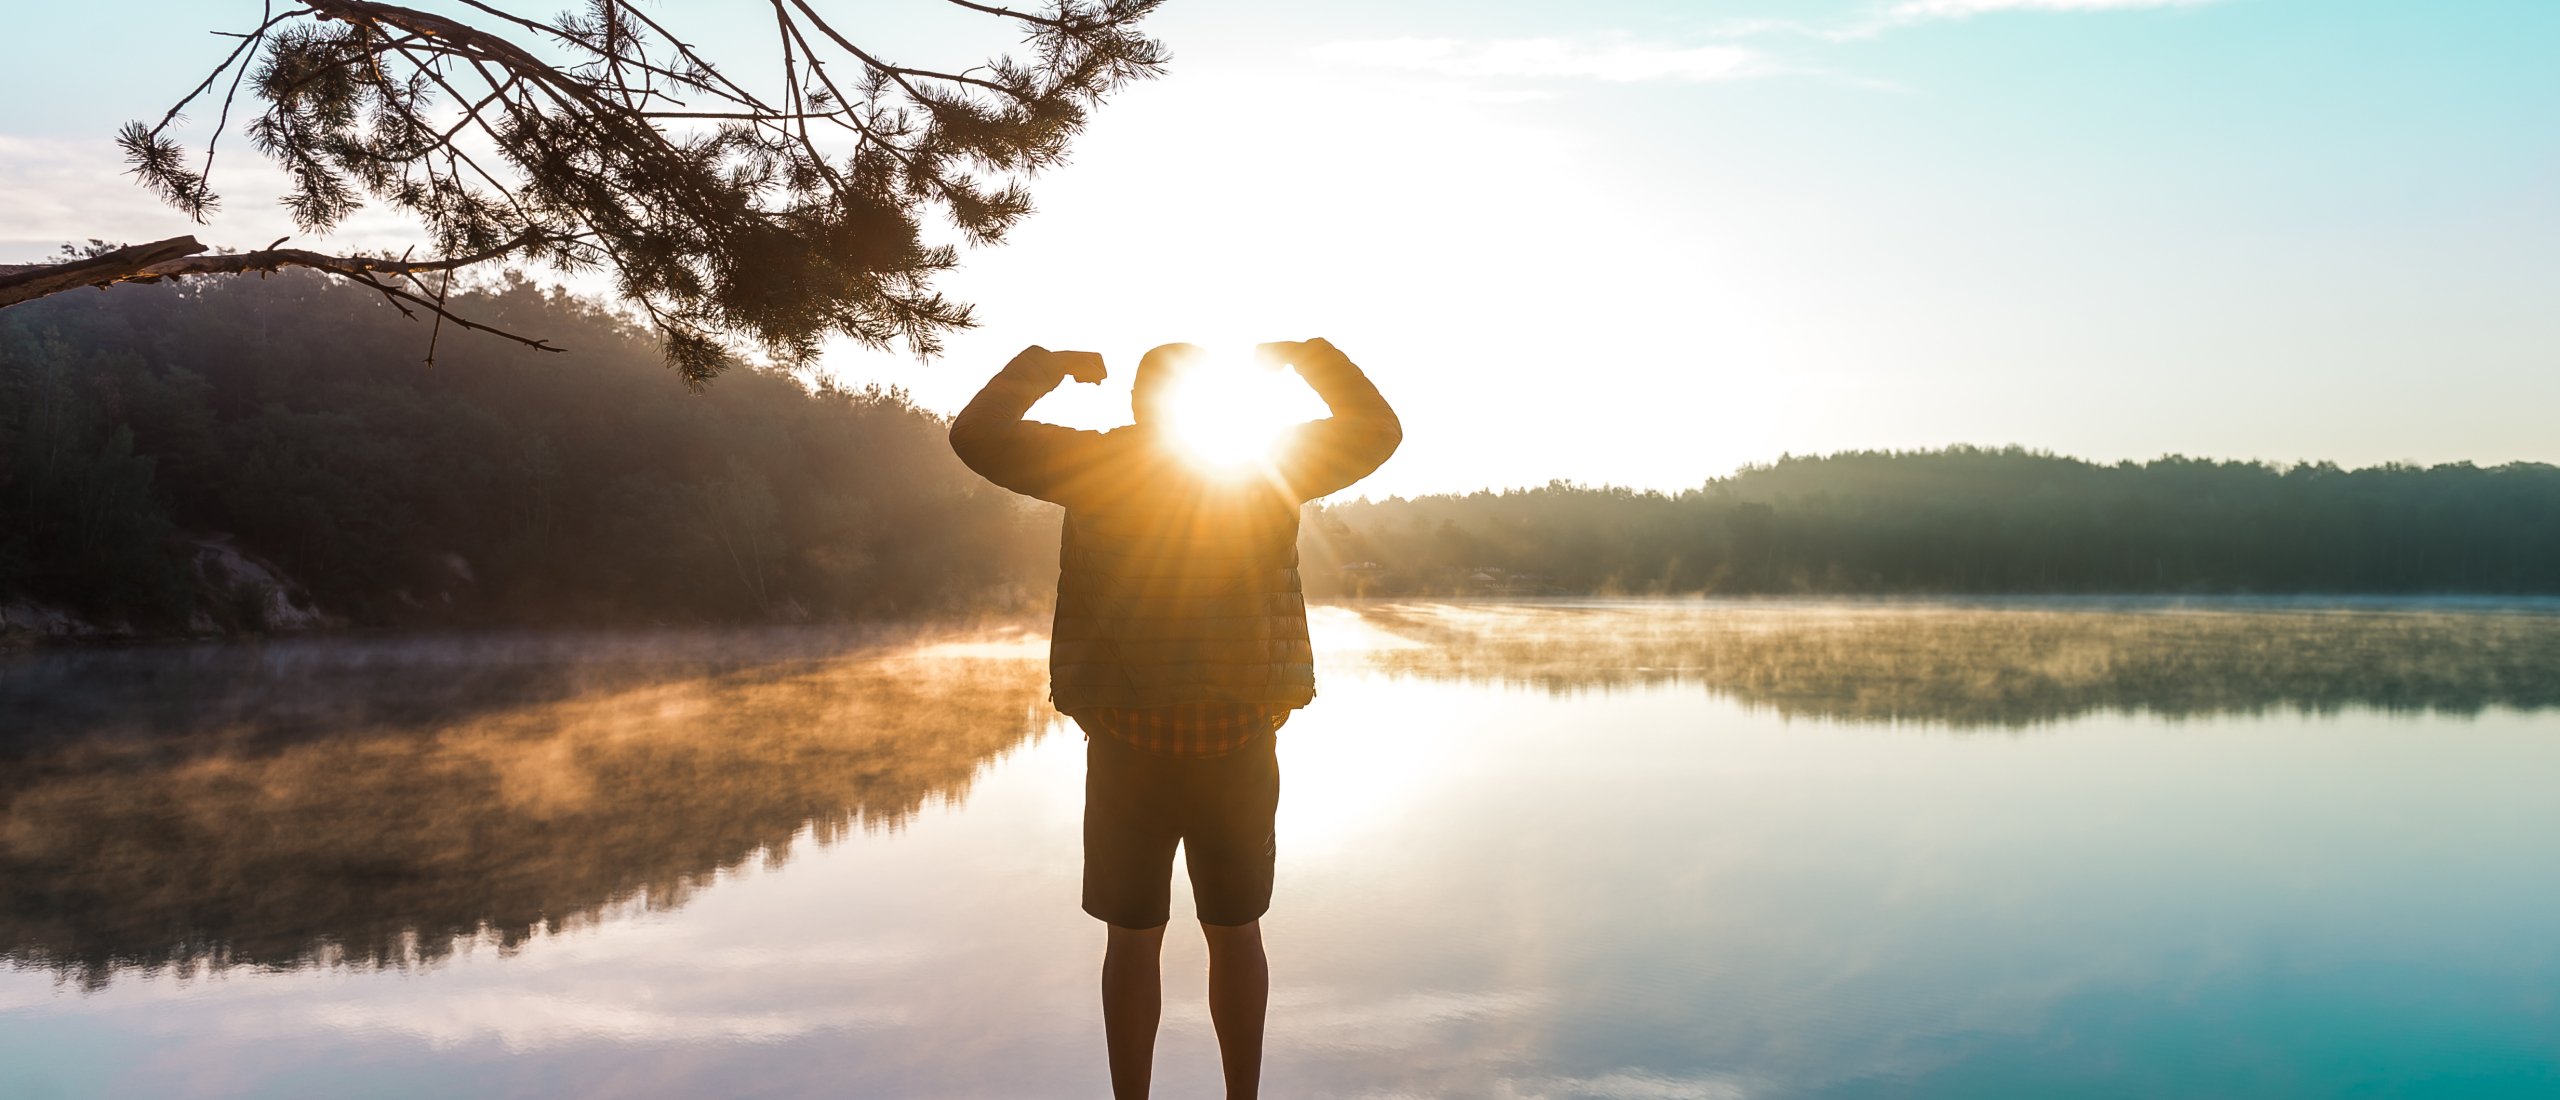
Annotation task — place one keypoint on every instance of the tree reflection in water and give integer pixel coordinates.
(381, 804)
(1999, 664)
(384, 803)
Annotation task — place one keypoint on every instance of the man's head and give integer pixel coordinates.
(1157, 374)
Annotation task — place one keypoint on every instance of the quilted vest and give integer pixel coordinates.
(1181, 590)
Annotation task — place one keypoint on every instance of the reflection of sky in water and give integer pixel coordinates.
(1495, 890)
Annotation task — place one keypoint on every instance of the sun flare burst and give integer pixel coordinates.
(1228, 413)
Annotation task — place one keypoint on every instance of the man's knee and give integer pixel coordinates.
(1224, 938)
(1124, 939)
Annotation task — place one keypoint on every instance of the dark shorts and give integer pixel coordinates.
(1138, 805)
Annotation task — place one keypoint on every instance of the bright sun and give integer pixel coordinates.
(1227, 413)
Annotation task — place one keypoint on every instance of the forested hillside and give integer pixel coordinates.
(292, 417)
(1972, 520)
(150, 434)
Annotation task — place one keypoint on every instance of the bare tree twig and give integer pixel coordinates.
(1009, 13)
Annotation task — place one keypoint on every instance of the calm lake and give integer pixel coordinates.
(1591, 850)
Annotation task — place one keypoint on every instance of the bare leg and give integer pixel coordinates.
(1132, 1003)
(1239, 991)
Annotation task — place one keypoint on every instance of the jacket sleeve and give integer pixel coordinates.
(1326, 456)
(1026, 456)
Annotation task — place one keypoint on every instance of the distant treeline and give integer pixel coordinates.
(149, 430)
(1971, 520)
(151, 434)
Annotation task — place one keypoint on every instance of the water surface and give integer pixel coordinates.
(1606, 850)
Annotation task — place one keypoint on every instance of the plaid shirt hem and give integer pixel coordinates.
(1190, 729)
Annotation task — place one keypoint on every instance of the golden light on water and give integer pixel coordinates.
(1227, 412)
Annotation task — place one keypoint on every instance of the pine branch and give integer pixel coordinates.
(716, 208)
(179, 257)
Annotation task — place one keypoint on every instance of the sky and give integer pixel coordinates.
(1646, 243)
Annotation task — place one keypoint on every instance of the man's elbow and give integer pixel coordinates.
(1389, 434)
(974, 445)
(968, 437)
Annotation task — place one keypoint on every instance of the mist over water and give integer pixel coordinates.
(1544, 849)
(2005, 662)
(331, 803)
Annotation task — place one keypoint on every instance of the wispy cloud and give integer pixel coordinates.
(1905, 13)
(1622, 59)
(1614, 60)
(1913, 11)
(59, 191)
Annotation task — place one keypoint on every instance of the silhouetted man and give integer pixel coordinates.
(1180, 646)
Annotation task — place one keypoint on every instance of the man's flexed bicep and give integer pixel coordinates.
(1026, 456)
(1326, 456)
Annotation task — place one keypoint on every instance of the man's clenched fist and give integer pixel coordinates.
(1083, 366)
(1300, 354)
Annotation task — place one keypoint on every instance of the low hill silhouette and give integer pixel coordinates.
(1971, 520)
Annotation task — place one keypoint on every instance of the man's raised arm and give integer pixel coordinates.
(1326, 456)
(1026, 456)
